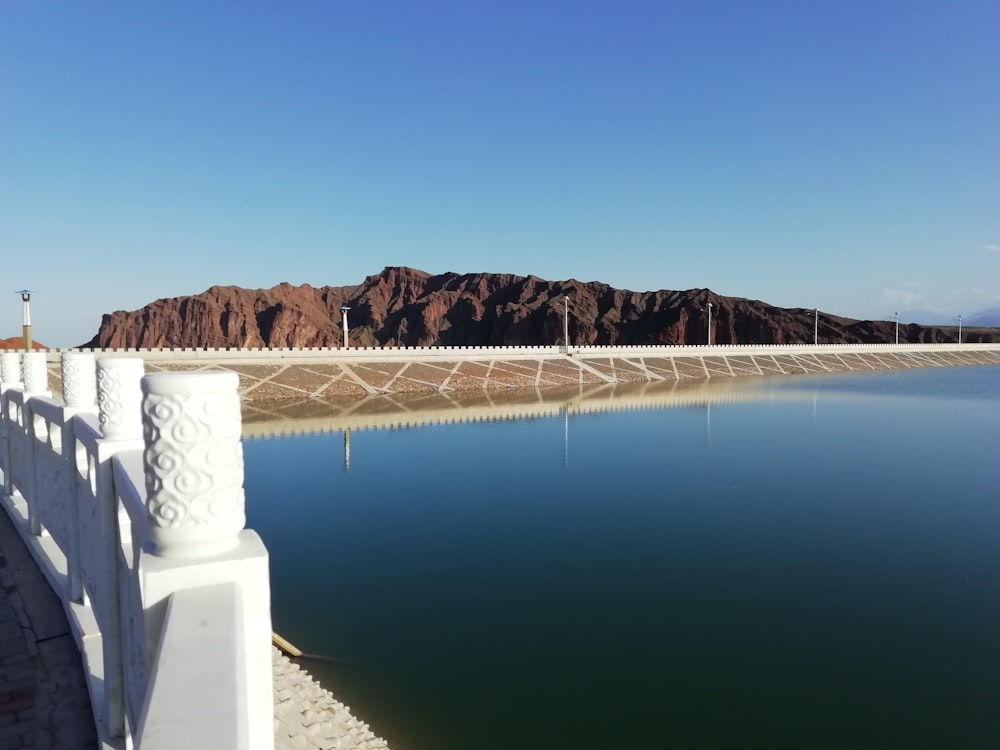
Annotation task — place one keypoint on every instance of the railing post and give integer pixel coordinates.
(193, 462)
(79, 380)
(35, 371)
(195, 506)
(35, 374)
(10, 370)
(119, 398)
(79, 394)
(10, 377)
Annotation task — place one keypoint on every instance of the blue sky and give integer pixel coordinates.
(832, 153)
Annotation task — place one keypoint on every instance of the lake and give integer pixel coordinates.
(813, 563)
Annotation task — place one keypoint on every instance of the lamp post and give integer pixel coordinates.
(566, 322)
(343, 311)
(709, 323)
(26, 316)
(960, 328)
(897, 329)
(816, 327)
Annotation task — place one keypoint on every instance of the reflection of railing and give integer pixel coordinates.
(128, 492)
(396, 411)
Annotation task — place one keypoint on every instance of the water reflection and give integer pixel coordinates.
(412, 410)
(784, 563)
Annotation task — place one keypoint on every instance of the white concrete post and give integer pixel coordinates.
(193, 462)
(10, 377)
(10, 370)
(119, 400)
(119, 397)
(35, 373)
(79, 392)
(193, 465)
(79, 380)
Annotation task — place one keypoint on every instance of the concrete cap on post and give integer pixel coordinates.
(193, 461)
(10, 368)
(119, 397)
(79, 379)
(36, 372)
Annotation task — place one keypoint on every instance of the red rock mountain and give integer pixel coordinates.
(406, 307)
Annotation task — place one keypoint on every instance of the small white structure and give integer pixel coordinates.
(129, 493)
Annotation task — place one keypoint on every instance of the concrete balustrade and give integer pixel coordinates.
(396, 354)
(129, 492)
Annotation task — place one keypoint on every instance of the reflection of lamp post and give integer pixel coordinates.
(343, 310)
(26, 321)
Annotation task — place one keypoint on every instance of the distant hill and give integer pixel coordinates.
(925, 318)
(984, 318)
(406, 307)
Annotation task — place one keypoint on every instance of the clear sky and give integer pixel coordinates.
(843, 154)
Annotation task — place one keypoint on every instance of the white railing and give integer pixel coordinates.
(129, 493)
(209, 355)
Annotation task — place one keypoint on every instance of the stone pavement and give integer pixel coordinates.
(44, 702)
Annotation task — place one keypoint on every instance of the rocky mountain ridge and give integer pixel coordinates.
(405, 307)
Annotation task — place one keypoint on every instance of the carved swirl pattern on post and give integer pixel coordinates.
(10, 367)
(193, 462)
(36, 373)
(79, 380)
(118, 397)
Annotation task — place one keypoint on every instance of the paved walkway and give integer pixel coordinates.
(44, 702)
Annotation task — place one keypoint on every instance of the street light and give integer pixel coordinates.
(566, 322)
(960, 329)
(26, 316)
(897, 329)
(343, 310)
(709, 323)
(816, 327)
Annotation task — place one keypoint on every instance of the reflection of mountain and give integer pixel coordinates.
(406, 307)
(401, 410)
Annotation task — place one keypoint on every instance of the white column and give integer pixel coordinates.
(10, 370)
(79, 380)
(193, 462)
(10, 377)
(119, 397)
(35, 373)
(79, 394)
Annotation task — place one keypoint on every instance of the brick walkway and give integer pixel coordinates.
(44, 702)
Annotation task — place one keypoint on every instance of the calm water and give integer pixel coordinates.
(820, 570)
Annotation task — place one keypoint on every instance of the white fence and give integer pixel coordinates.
(129, 493)
(413, 353)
